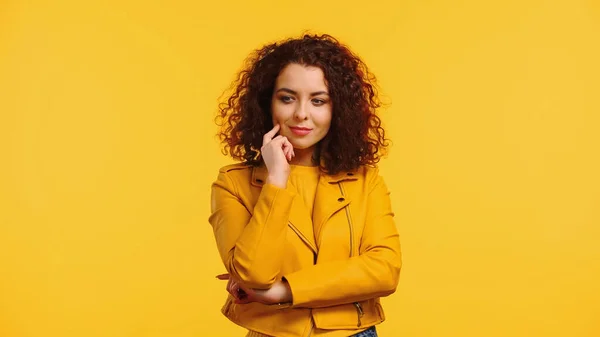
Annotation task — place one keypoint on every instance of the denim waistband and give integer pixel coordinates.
(370, 332)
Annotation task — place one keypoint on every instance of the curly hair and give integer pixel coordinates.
(355, 137)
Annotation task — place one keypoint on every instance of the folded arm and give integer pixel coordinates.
(374, 273)
(250, 245)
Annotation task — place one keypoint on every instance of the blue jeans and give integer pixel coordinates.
(370, 332)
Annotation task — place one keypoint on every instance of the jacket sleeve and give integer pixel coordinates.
(250, 245)
(374, 273)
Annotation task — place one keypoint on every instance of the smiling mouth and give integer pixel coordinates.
(300, 131)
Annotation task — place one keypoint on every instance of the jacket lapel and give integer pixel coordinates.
(299, 221)
(330, 199)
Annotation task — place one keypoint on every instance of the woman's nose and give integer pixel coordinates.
(301, 112)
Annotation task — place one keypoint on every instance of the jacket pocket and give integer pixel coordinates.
(348, 316)
(227, 306)
(380, 310)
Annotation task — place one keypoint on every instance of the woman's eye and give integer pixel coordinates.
(286, 99)
(318, 101)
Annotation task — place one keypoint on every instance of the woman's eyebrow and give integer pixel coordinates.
(295, 93)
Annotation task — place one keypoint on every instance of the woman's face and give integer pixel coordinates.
(301, 105)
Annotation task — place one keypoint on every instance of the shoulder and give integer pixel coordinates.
(370, 170)
(362, 173)
(233, 177)
(368, 173)
(372, 177)
(235, 172)
(235, 167)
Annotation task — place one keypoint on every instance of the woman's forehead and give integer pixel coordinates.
(301, 78)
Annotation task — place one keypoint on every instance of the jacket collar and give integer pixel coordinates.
(260, 173)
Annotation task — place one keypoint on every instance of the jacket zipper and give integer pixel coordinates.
(359, 311)
(312, 325)
(349, 222)
(297, 231)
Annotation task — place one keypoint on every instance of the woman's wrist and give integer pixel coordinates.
(278, 180)
(287, 293)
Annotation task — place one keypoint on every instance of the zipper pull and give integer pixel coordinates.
(359, 312)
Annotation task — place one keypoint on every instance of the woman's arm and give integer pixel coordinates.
(250, 245)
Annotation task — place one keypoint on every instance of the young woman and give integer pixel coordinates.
(304, 224)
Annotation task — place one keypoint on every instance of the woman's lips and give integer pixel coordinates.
(300, 131)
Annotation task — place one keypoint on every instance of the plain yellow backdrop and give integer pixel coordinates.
(108, 151)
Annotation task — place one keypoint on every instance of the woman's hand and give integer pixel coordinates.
(276, 152)
(234, 288)
(279, 292)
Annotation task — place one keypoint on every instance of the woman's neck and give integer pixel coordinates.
(304, 157)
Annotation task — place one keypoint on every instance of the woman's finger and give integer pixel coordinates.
(246, 290)
(287, 151)
(223, 276)
(290, 149)
(278, 141)
(269, 135)
(273, 141)
(243, 298)
(232, 288)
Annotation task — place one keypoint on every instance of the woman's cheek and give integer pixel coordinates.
(276, 112)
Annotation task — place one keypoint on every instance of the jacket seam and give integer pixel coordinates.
(235, 191)
(262, 229)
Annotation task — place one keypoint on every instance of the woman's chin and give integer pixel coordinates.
(301, 146)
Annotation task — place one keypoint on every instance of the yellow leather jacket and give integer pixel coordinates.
(338, 264)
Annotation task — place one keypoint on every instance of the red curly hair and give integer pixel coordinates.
(355, 137)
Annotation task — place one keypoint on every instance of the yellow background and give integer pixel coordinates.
(108, 151)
